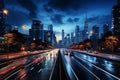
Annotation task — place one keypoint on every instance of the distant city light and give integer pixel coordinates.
(34, 39)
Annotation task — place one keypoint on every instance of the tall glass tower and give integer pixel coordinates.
(86, 29)
(63, 35)
(116, 19)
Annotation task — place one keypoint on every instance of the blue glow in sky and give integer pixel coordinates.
(63, 14)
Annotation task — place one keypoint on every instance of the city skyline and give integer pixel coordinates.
(59, 40)
(61, 14)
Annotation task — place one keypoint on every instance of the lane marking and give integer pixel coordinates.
(38, 63)
(73, 72)
(70, 66)
(100, 69)
(28, 64)
(6, 62)
(39, 70)
(23, 76)
(53, 68)
(12, 75)
(88, 70)
(18, 70)
(32, 68)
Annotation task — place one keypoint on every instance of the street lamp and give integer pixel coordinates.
(24, 27)
(22, 48)
(5, 11)
(91, 32)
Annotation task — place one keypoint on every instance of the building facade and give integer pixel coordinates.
(63, 35)
(77, 34)
(50, 27)
(48, 36)
(2, 26)
(72, 38)
(85, 31)
(95, 36)
(105, 28)
(116, 19)
(95, 32)
(36, 31)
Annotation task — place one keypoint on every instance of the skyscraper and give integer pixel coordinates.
(116, 19)
(54, 42)
(68, 40)
(105, 28)
(95, 32)
(63, 35)
(36, 30)
(38, 33)
(49, 35)
(77, 34)
(85, 31)
(50, 27)
(2, 26)
(95, 35)
(72, 38)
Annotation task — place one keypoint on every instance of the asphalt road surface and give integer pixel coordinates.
(85, 67)
(79, 66)
(35, 67)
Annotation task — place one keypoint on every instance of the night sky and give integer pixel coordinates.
(63, 14)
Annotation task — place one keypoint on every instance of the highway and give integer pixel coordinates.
(33, 67)
(78, 66)
(86, 67)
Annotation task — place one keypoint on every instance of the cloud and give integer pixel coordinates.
(47, 8)
(57, 19)
(77, 7)
(64, 4)
(30, 6)
(93, 19)
(18, 18)
(10, 2)
(105, 19)
(71, 20)
(76, 19)
(100, 19)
